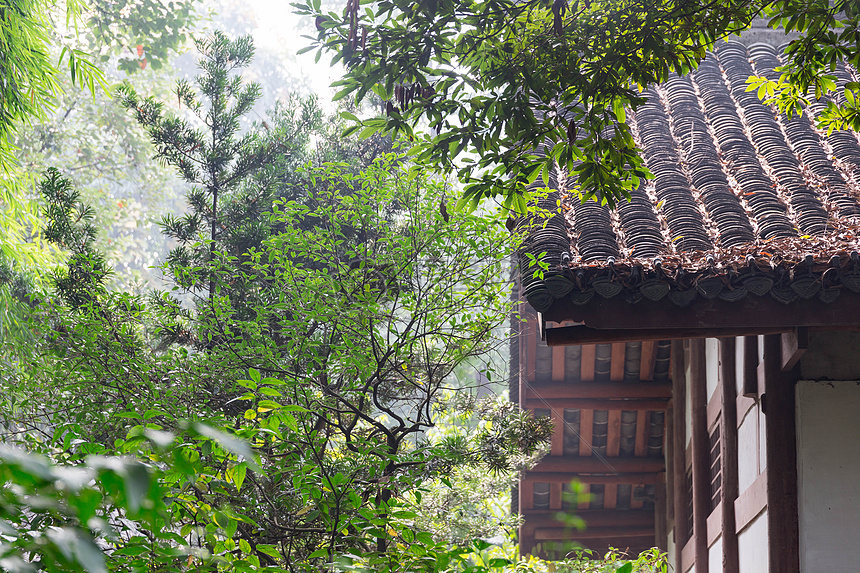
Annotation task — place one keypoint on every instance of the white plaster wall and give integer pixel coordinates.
(692, 569)
(828, 443)
(712, 365)
(762, 439)
(670, 550)
(748, 457)
(739, 363)
(752, 546)
(715, 556)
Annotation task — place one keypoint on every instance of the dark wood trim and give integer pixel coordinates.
(750, 381)
(602, 390)
(780, 432)
(569, 533)
(751, 502)
(701, 451)
(679, 449)
(756, 314)
(729, 454)
(581, 334)
(591, 517)
(596, 404)
(793, 345)
(594, 465)
(566, 477)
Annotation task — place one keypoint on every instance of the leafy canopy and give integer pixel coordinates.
(511, 87)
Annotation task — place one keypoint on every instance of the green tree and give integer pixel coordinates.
(332, 311)
(512, 87)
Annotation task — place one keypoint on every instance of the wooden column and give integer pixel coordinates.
(780, 432)
(750, 381)
(701, 451)
(729, 454)
(679, 448)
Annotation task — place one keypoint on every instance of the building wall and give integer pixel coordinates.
(828, 441)
(752, 546)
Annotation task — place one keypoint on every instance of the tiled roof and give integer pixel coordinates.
(743, 200)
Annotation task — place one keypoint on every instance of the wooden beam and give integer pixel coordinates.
(591, 517)
(587, 363)
(531, 347)
(562, 477)
(679, 449)
(701, 451)
(581, 334)
(640, 448)
(729, 454)
(527, 495)
(601, 390)
(569, 533)
(610, 496)
(584, 496)
(613, 433)
(557, 440)
(586, 430)
(595, 465)
(558, 364)
(669, 454)
(597, 404)
(555, 496)
(616, 366)
(793, 344)
(660, 518)
(780, 432)
(756, 313)
(649, 358)
(750, 381)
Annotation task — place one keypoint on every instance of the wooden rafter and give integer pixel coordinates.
(592, 464)
(602, 390)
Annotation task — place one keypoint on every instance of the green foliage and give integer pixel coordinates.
(828, 36)
(511, 88)
(160, 29)
(26, 67)
(518, 86)
(286, 421)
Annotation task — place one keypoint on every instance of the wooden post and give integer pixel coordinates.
(701, 451)
(670, 465)
(679, 448)
(729, 454)
(780, 432)
(660, 529)
(750, 381)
